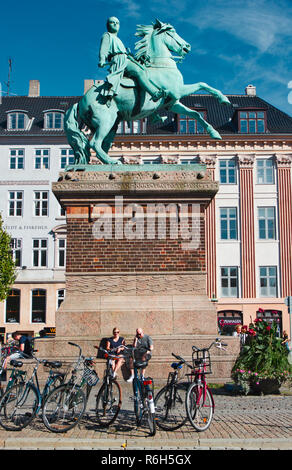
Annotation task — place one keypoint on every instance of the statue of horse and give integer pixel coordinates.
(154, 52)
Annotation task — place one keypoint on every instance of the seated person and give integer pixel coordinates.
(143, 353)
(116, 341)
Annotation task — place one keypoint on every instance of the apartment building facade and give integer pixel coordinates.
(248, 224)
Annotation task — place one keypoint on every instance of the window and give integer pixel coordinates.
(227, 321)
(15, 203)
(60, 297)
(54, 120)
(42, 159)
(41, 203)
(252, 122)
(40, 252)
(188, 125)
(38, 306)
(265, 171)
(267, 223)
(67, 157)
(188, 161)
(61, 252)
(151, 161)
(228, 223)
(268, 281)
(227, 170)
(229, 281)
(16, 247)
(17, 121)
(133, 127)
(16, 161)
(12, 314)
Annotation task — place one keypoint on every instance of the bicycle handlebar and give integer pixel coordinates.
(218, 343)
(183, 361)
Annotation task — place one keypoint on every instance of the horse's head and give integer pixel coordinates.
(171, 39)
(158, 41)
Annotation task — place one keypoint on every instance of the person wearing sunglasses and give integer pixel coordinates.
(144, 345)
(116, 341)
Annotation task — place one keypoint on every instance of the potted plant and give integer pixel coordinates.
(262, 365)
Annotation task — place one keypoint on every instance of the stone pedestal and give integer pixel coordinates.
(136, 251)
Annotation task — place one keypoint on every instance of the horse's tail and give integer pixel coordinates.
(76, 139)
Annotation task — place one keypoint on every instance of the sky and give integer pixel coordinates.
(234, 43)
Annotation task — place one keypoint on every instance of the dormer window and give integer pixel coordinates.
(17, 120)
(252, 122)
(188, 125)
(53, 120)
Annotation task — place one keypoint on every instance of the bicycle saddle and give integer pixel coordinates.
(15, 363)
(53, 364)
(140, 364)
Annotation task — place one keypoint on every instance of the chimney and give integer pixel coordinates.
(88, 83)
(250, 90)
(34, 88)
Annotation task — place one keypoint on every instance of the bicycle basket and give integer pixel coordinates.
(202, 360)
(90, 376)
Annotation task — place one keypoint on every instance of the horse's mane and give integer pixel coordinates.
(145, 32)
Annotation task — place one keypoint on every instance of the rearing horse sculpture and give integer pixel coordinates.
(154, 53)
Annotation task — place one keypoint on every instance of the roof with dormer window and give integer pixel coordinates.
(221, 117)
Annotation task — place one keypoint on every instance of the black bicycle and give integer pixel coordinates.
(170, 401)
(109, 397)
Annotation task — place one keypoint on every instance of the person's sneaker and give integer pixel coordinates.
(130, 379)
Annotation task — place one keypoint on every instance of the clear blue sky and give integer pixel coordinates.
(234, 42)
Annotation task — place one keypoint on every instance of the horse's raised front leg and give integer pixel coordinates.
(179, 108)
(187, 90)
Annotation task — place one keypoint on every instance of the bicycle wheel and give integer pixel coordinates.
(170, 406)
(18, 406)
(150, 416)
(138, 400)
(108, 403)
(64, 408)
(200, 407)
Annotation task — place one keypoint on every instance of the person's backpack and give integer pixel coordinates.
(102, 344)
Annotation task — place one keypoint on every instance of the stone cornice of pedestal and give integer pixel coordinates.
(94, 184)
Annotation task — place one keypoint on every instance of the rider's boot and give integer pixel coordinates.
(158, 95)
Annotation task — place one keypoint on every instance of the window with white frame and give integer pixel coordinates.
(42, 159)
(16, 160)
(188, 161)
(15, 203)
(133, 127)
(189, 125)
(265, 171)
(41, 203)
(60, 297)
(61, 252)
(38, 305)
(267, 223)
(268, 281)
(228, 223)
(54, 120)
(67, 158)
(229, 281)
(40, 252)
(227, 169)
(16, 248)
(151, 161)
(17, 121)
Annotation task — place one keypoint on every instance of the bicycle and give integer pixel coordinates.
(66, 404)
(23, 399)
(109, 398)
(143, 389)
(170, 402)
(199, 400)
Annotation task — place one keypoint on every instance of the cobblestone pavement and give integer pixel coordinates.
(240, 422)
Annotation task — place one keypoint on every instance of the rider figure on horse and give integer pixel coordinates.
(112, 52)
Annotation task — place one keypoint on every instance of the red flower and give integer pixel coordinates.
(268, 328)
(261, 310)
